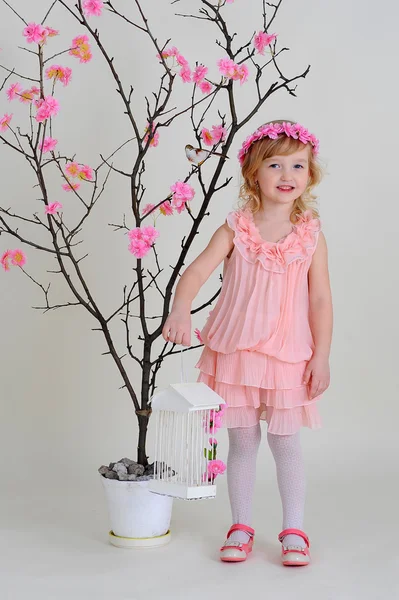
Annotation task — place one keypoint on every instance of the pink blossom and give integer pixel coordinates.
(139, 248)
(197, 334)
(155, 139)
(229, 1)
(35, 90)
(222, 410)
(213, 441)
(148, 208)
(51, 32)
(207, 137)
(182, 193)
(18, 258)
(59, 73)
(81, 48)
(26, 96)
(168, 52)
(48, 108)
(183, 62)
(68, 187)
(5, 122)
(150, 234)
(13, 91)
(72, 169)
(219, 133)
(199, 73)
(227, 67)
(141, 240)
(216, 467)
(53, 208)
(86, 173)
(5, 260)
(242, 74)
(166, 208)
(185, 74)
(93, 8)
(205, 87)
(48, 144)
(262, 39)
(35, 33)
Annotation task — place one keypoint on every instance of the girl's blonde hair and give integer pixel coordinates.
(249, 197)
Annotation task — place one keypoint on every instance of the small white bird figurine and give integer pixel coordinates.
(198, 155)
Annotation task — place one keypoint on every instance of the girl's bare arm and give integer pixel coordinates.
(177, 328)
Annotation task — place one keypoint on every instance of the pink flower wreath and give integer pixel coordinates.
(273, 130)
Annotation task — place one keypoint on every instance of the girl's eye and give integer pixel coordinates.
(274, 165)
(301, 166)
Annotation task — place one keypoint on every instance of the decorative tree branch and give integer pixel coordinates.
(86, 186)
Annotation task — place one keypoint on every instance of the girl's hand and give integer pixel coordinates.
(177, 328)
(318, 374)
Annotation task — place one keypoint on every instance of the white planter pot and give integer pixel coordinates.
(138, 517)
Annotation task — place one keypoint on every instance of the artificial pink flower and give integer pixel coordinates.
(219, 133)
(155, 140)
(13, 91)
(5, 122)
(216, 467)
(166, 208)
(142, 240)
(51, 32)
(93, 8)
(168, 52)
(185, 74)
(48, 144)
(148, 208)
(205, 87)
(53, 208)
(199, 73)
(197, 334)
(26, 96)
(85, 173)
(18, 258)
(213, 441)
(227, 67)
(139, 248)
(35, 90)
(5, 260)
(207, 137)
(262, 39)
(242, 73)
(35, 33)
(183, 62)
(59, 73)
(182, 193)
(72, 169)
(48, 108)
(81, 48)
(68, 187)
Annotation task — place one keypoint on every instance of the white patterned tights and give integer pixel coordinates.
(241, 473)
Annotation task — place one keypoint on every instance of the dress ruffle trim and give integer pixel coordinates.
(251, 368)
(298, 245)
(285, 411)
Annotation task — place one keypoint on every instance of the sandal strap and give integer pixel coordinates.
(241, 527)
(302, 534)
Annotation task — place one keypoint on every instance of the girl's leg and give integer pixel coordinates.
(287, 454)
(241, 472)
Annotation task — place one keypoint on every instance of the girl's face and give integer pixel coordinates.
(282, 179)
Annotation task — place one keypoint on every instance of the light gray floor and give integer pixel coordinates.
(54, 546)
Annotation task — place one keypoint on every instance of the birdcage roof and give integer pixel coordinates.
(186, 397)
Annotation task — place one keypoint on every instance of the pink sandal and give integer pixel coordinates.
(237, 551)
(294, 556)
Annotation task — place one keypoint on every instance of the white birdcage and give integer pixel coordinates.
(184, 421)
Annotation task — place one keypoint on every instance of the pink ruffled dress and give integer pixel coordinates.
(257, 339)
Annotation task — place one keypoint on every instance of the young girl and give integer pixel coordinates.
(267, 341)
